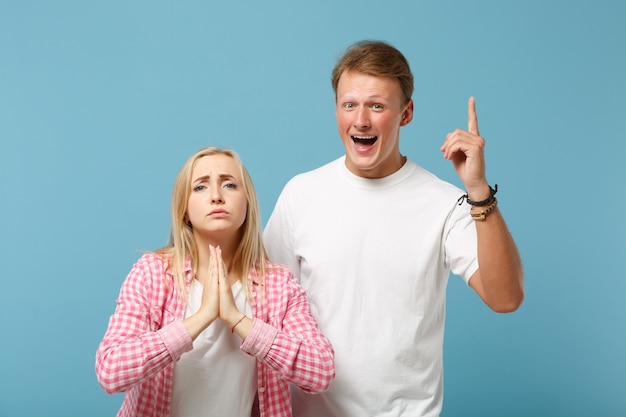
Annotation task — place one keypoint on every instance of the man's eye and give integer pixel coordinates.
(348, 105)
(377, 106)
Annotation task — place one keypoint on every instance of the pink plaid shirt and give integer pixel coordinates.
(146, 336)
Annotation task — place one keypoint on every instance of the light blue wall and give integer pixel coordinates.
(101, 103)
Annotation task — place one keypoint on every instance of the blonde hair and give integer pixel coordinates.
(377, 58)
(250, 255)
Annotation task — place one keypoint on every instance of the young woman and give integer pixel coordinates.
(208, 326)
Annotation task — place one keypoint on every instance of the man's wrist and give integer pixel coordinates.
(485, 201)
(480, 215)
(479, 194)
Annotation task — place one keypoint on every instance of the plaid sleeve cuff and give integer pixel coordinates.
(176, 339)
(259, 339)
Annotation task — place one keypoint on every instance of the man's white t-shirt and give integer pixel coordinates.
(374, 256)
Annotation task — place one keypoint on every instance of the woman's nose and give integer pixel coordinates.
(216, 196)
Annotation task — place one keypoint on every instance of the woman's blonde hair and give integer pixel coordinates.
(250, 255)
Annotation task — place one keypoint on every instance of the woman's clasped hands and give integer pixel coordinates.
(217, 295)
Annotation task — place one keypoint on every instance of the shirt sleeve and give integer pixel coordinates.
(278, 233)
(137, 344)
(461, 243)
(291, 343)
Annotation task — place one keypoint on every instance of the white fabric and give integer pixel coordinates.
(374, 257)
(215, 378)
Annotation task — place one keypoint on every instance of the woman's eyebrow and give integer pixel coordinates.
(207, 177)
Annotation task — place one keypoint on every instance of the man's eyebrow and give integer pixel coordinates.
(350, 98)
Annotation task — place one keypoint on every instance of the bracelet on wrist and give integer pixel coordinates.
(236, 324)
(488, 200)
(481, 215)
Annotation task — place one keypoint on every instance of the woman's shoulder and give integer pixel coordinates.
(276, 273)
(146, 274)
(154, 260)
(277, 268)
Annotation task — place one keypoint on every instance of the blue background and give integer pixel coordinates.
(102, 102)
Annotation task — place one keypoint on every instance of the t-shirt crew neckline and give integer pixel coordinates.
(389, 181)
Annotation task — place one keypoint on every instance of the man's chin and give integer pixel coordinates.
(362, 166)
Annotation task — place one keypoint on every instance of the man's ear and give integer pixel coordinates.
(407, 115)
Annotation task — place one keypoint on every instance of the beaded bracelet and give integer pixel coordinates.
(492, 193)
(482, 214)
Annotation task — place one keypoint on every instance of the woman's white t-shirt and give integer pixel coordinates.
(215, 378)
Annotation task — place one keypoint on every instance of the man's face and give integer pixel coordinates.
(370, 111)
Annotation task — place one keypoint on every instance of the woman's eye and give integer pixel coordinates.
(199, 187)
(230, 186)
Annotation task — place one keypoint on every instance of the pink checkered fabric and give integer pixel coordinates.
(146, 336)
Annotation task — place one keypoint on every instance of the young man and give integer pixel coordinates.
(373, 237)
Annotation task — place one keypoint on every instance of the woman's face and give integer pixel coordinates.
(217, 204)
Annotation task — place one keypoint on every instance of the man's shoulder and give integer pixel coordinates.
(314, 175)
(430, 181)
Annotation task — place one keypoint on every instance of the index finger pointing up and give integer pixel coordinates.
(472, 119)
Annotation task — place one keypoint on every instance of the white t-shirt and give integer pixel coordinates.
(374, 256)
(215, 378)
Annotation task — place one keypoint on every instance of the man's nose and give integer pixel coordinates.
(362, 120)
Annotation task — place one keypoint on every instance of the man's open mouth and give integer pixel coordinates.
(364, 140)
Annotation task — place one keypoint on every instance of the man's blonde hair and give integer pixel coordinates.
(375, 58)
